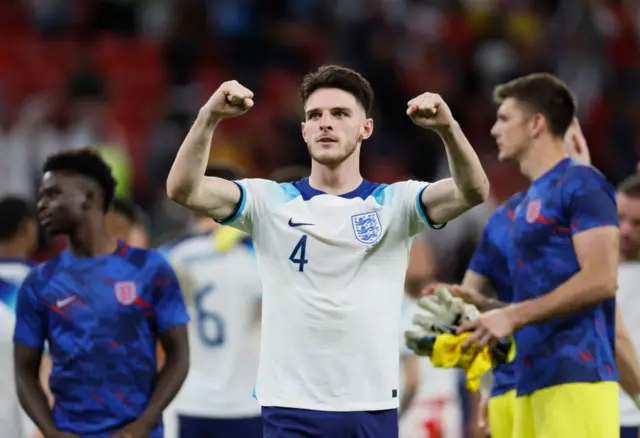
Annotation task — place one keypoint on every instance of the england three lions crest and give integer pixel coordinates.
(367, 227)
(126, 292)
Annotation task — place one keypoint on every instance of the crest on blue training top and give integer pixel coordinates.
(126, 292)
(367, 227)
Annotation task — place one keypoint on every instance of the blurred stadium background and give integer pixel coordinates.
(128, 76)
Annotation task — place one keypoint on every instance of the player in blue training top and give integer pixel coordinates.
(563, 260)
(488, 275)
(100, 306)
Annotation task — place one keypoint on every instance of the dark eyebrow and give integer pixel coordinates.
(338, 108)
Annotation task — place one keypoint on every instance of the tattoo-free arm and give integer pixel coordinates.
(26, 361)
(175, 344)
(450, 197)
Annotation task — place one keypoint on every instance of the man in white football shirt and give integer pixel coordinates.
(628, 300)
(218, 272)
(18, 238)
(332, 252)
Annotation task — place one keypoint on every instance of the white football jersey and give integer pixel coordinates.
(223, 299)
(332, 270)
(14, 423)
(628, 301)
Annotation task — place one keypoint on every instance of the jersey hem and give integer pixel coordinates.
(338, 407)
(239, 208)
(524, 392)
(422, 210)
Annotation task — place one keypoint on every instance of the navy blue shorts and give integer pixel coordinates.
(302, 423)
(630, 432)
(195, 427)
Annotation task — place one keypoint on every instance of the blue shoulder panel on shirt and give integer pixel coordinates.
(380, 194)
(363, 191)
(290, 191)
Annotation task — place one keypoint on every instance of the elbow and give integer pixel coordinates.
(478, 194)
(177, 193)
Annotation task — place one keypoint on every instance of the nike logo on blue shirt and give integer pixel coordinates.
(297, 224)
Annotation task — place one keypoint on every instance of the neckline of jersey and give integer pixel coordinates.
(560, 164)
(119, 247)
(307, 191)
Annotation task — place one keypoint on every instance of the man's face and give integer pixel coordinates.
(334, 126)
(629, 216)
(62, 202)
(511, 130)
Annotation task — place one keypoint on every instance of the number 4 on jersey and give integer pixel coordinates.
(298, 254)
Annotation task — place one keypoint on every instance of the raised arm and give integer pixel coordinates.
(448, 198)
(186, 184)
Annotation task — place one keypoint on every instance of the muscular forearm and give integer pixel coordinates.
(187, 172)
(580, 291)
(490, 304)
(466, 170)
(34, 401)
(169, 382)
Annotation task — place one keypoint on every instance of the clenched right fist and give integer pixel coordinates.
(230, 100)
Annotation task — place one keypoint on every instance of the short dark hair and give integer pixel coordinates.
(228, 172)
(14, 211)
(86, 162)
(333, 76)
(630, 186)
(542, 93)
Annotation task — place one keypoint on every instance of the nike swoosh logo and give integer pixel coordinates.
(65, 302)
(297, 224)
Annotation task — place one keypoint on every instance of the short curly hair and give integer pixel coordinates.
(86, 162)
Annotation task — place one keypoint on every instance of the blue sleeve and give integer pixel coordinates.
(31, 316)
(591, 201)
(168, 300)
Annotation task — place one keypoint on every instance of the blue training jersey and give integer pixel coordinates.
(571, 198)
(101, 317)
(490, 260)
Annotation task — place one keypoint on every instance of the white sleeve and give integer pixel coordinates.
(257, 195)
(409, 194)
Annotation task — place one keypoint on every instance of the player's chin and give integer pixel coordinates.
(53, 228)
(328, 157)
(504, 155)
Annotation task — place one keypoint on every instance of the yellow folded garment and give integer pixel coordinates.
(448, 353)
(226, 238)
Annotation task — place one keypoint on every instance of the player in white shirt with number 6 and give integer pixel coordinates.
(332, 251)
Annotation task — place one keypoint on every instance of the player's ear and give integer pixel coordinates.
(366, 129)
(537, 124)
(304, 131)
